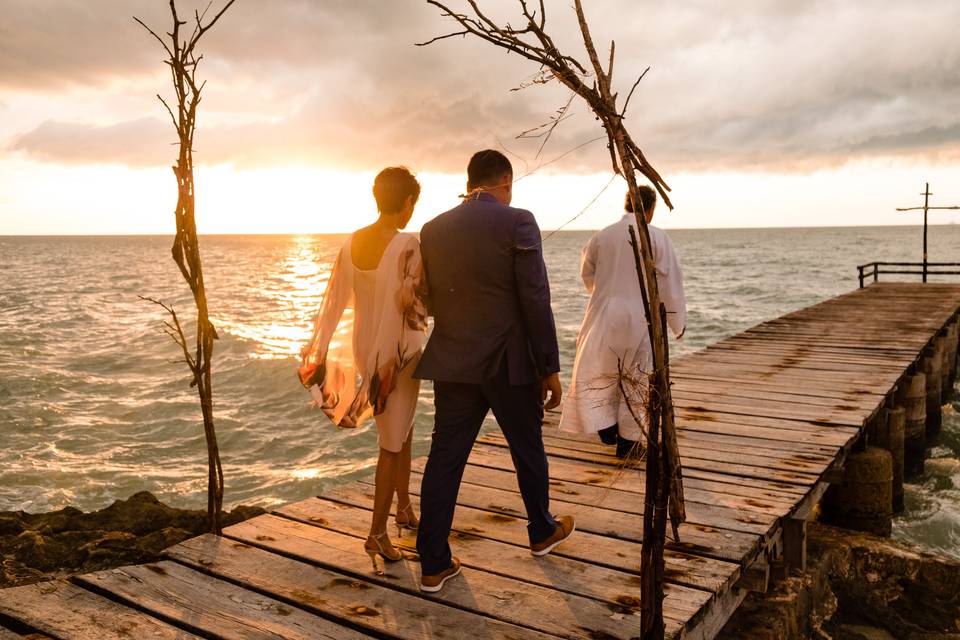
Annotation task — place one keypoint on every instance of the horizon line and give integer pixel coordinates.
(343, 233)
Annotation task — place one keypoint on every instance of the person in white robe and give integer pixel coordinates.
(614, 357)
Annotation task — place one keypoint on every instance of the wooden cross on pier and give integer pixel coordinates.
(926, 208)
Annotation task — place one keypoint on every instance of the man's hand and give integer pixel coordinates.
(552, 384)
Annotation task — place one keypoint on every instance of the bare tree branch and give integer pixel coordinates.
(546, 130)
(632, 89)
(183, 63)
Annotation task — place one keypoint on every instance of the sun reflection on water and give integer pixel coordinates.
(294, 293)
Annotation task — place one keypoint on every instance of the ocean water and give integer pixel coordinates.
(92, 408)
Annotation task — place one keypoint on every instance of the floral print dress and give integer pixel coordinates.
(367, 340)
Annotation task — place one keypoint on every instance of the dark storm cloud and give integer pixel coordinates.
(752, 84)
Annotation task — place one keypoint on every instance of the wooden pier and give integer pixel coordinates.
(766, 419)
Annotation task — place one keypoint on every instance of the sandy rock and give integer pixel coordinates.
(941, 466)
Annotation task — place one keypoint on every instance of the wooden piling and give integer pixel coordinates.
(912, 398)
(863, 501)
(890, 438)
(953, 343)
(943, 351)
(930, 365)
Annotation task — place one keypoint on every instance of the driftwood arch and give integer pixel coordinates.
(664, 486)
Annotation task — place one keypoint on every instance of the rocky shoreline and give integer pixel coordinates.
(856, 587)
(35, 547)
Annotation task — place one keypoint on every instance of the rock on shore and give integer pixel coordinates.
(40, 546)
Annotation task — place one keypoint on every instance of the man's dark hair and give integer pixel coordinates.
(485, 167)
(392, 187)
(648, 198)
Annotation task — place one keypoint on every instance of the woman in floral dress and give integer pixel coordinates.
(368, 338)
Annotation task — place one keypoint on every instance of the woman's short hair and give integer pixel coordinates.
(392, 187)
(648, 198)
(485, 167)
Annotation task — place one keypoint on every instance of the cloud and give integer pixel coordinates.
(754, 84)
(133, 143)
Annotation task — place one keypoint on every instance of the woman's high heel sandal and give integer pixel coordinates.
(406, 518)
(380, 545)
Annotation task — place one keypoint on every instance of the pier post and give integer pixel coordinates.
(889, 436)
(943, 351)
(953, 343)
(863, 501)
(930, 365)
(911, 395)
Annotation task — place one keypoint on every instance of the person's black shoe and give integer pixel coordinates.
(627, 449)
(608, 435)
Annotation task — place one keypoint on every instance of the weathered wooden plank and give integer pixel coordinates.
(817, 366)
(805, 353)
(724, 441)
(794, 336)
(692, 471)
(781, 340)
(687, 563)
(317, 545)
(825, 328)
(805, 442)
(622, 479)
(793, 375)
(622, 524)
(760, 429)
(354, 594)
(691, 463)
(211, 607)
(869, 317)
(842, 415)
(720, 424)
(829, 334)
(875, 385)
(64, 610)
(686, 388)
(625, 507)
(761, 448)
(501, 507)
(760, 409)
(797, 395)
(840, 431)
(504, 542)
(727, 506)
(691, 449)
(716, 617)
(806, 386)
(784, 345)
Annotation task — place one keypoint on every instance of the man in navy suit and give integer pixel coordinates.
(493, 346)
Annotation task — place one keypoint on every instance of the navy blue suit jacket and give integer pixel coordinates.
(489, 296)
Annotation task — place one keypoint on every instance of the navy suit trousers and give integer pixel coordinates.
(461, 409)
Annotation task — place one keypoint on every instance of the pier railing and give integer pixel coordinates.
(875, 269)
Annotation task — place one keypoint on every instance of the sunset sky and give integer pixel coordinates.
(757, 113)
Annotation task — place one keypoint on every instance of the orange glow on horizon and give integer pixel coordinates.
(43, 199)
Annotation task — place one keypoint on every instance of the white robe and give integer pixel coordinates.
(614, 331)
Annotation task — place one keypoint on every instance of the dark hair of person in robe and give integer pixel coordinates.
(648, 198)
(486, 168)
(392, 187)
